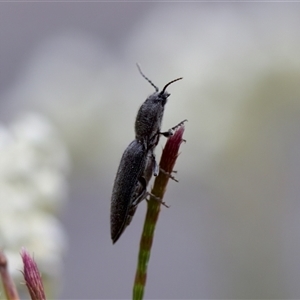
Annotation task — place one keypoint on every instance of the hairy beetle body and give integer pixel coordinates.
(130, 186)
(149, 117)
(141, 187)
(138, 161)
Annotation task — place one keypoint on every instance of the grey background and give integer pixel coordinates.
(233, 227)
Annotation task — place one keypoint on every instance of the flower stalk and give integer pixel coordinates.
(8, 284)
(167, 162)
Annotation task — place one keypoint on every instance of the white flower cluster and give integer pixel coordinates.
(33, 168)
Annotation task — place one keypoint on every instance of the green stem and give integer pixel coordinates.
(167, 162)
(145, 248)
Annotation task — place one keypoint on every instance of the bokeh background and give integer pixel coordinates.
(233, 227)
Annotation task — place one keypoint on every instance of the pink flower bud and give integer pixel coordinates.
(32, 277)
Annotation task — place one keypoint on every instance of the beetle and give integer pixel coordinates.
(130, 186)
(149, 117)
(136, 168)
(138, 162)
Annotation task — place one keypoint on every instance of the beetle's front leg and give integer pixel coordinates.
(170, 132)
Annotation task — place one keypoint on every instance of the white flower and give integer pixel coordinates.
(33, 188)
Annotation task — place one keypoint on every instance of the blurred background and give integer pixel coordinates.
(70, 91)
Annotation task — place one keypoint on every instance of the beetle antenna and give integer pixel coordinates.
(164, 89)
(139, 68)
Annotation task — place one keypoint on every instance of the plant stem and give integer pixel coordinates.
(8, 284)
(167, 162)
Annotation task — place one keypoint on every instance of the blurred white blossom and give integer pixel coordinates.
(33, 189)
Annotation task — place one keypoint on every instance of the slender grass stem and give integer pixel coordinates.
(167, 162)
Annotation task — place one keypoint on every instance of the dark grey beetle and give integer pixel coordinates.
(130, 186)
(149, 117)
(138, 163)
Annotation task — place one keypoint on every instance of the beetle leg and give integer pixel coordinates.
(170, 132)
(157, 199)
(168, 174)
(155, 166)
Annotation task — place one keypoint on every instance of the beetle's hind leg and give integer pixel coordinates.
(169, 174)
(157, 199)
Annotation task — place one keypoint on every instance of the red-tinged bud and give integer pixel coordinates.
(32, 277)
(167, 162)
(170, 152)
